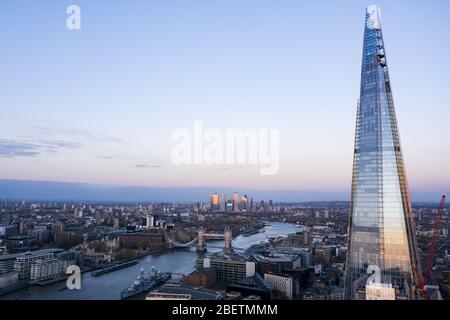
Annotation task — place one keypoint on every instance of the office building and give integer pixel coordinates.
(202, 278)
(381, 227)
(8, 279)
(379, 291)
(244, 203)
(277, 263)
(283, 284)
(230, 268)
(23, 262)
(43, 269)
(222, 202)
(215, 204)
(254, 286)
(229, 206)
(173, 290)
(236, 202)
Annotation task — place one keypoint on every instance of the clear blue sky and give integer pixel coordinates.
(98, 105)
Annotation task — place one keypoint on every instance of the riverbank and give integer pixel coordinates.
(109, 286)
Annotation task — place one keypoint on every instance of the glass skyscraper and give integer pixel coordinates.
(382, 246)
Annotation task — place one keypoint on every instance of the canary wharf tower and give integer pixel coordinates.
(382, 246)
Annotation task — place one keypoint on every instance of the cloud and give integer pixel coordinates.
(141, 166)
(74, 132)
(53, 146)
(145, 166)
(115, 155)
(17, 148)
(106, 157)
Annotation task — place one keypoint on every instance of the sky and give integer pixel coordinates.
(97, 106)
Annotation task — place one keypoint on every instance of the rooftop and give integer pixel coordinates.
(29, 253)
(228, 257)
(194, 293)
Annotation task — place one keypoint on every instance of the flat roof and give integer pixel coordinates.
(195, 293)
(29, 253)
(229, 257)
(203, 271)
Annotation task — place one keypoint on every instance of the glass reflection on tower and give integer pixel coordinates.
(381, 227)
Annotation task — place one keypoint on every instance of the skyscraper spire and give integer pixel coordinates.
(381, 227)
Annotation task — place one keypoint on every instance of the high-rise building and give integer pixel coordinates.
(229, 205)
(211, 201)
(222, 202)
(381, 227)
(244, 203)
(149, 221)
(236, 201)
(215, 201)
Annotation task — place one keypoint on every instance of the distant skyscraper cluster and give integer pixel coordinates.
(236, 203)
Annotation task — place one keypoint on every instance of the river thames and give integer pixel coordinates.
(109, 286)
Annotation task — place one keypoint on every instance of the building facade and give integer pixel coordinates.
(202, 278)
(381, 227)
(284, 284)
(46, 269)
(229, 268)
(23, 263)
(8, 279)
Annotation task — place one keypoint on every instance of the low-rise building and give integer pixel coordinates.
(16, 244)
(303, 252)
(252, 286)
(230, 268)
(150, 238)
(276, 263)
(179, 291)
(380, 291)
(281, 283)
(202, 278)
(43, 269)
(8, 279)
(7, 262)
(23, 262)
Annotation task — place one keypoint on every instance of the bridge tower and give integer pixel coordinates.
(201, 245)
(228, 237)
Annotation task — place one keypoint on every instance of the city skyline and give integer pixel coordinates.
(238, 152)
(113, 130)
(61, 191)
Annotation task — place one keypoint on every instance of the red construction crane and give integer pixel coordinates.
(436, 229)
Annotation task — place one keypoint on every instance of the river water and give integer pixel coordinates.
(109, 286)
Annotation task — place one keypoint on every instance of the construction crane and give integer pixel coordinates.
(423, 279)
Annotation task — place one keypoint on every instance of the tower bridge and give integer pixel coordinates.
(200, 243)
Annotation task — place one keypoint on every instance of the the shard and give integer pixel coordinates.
(382, 252)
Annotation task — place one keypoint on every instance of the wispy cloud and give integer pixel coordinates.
(73, 132)
(146, 166)
(105, 157)
(141, 166)
(18, 148)
(115, 155)
(36, 139)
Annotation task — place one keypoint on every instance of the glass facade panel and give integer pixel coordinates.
(381, 228)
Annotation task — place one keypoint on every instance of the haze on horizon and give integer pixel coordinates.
(97, 106)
